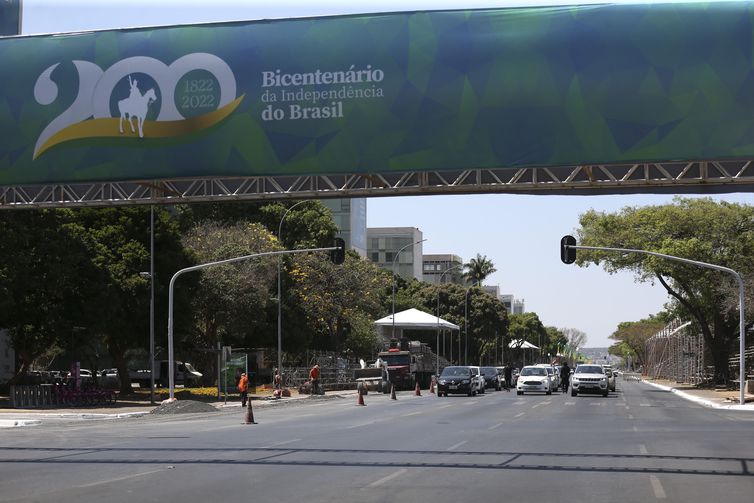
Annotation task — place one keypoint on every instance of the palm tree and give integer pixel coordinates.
(478, 269)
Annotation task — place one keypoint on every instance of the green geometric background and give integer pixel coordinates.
(462, 89)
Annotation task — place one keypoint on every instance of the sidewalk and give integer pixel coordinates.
(10, 418)
(716, 399)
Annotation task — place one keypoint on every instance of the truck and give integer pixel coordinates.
(185, 375)
(409, 362)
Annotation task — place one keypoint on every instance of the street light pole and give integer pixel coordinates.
(151, 303)
(150, 275)
(280, 303)
(465, 330)
(393, 267)
(439, 282)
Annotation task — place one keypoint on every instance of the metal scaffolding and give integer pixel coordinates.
(676, 353)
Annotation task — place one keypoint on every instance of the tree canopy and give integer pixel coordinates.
(719, 233)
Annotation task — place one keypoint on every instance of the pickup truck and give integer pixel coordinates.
(185, 375)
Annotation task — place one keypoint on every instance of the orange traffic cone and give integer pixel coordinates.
(360, 400)
(418, 391)
(432, 385)
(392, 392)
(249, 419)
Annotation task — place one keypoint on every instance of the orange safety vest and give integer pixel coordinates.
(314, 374)
(243, 384)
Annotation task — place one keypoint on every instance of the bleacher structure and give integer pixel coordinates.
(676, 353)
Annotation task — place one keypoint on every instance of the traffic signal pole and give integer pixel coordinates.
(568, 249)
(337, 255)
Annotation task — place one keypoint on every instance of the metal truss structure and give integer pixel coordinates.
(676, 353)
(661, 177)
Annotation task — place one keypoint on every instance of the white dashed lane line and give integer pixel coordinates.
(387, 478)
(456, 446)
(657, 487)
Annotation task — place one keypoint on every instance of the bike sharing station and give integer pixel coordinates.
(599, 99)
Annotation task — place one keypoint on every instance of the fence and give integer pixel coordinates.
(676, 353)
(51, 395)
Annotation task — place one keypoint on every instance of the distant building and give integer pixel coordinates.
(512, 305)
(350, 216)
(384, 243)
(433, 266)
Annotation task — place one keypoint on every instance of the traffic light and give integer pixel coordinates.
(567, 250)
(338, 255)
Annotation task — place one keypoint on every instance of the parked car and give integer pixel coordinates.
(589, 379)
(533, 378)
(610, 376)
(456, 380)
(492, 378)
(476, 372)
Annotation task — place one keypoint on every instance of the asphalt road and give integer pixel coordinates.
(638, 445)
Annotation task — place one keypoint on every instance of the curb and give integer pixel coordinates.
(15, 423)
(701, 401)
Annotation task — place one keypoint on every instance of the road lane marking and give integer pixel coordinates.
(657, 487)
(498, 425)
(387, 478)
(281, 443)
(643, 449)
(538, 405)
(118, 479)
(412, 414)
(519, 414)
(446, 406)
(630, 416)
(459, 444)
(644, 405)
(636, 429)
(359, 425)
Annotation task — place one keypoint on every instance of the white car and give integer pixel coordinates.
(610, 376)
(477, 378)
(553, 373)
(589, 379)
(534, 378)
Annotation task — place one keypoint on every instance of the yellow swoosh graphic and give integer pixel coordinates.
(109, 128)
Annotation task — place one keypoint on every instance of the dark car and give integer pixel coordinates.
(455, 380)
(491, 378)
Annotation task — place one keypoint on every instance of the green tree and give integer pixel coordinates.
(231, 301)
(632, 336)
(528, 327)
(46, 282)
(698, 229)
(478, 269)
(117, 240)
(486, 316)
(338, 299)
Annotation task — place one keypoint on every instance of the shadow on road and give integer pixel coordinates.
(490, 460)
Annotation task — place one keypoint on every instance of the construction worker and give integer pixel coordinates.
(243, 388)
(314, 377)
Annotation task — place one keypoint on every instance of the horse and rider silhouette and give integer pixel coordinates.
(135, 105)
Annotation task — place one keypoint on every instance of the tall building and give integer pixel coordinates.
(350, 216)
(384, 243)
(512, 305)
(434, 266)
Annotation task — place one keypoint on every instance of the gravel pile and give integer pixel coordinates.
(184, 407)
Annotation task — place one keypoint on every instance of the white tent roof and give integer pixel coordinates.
(519, 344)
(413, 318)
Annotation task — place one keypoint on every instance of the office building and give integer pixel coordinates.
(384, 243)
(350, 216)
(433, 266)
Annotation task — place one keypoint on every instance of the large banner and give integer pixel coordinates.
(377, 93)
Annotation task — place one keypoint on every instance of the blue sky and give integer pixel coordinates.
(520, 234)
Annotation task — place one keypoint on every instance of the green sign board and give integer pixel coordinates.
(416, 91)
(10, 17)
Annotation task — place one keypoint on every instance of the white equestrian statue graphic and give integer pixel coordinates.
(135, 105)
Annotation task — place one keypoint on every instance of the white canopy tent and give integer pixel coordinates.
(413, 318)
(519, 344)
